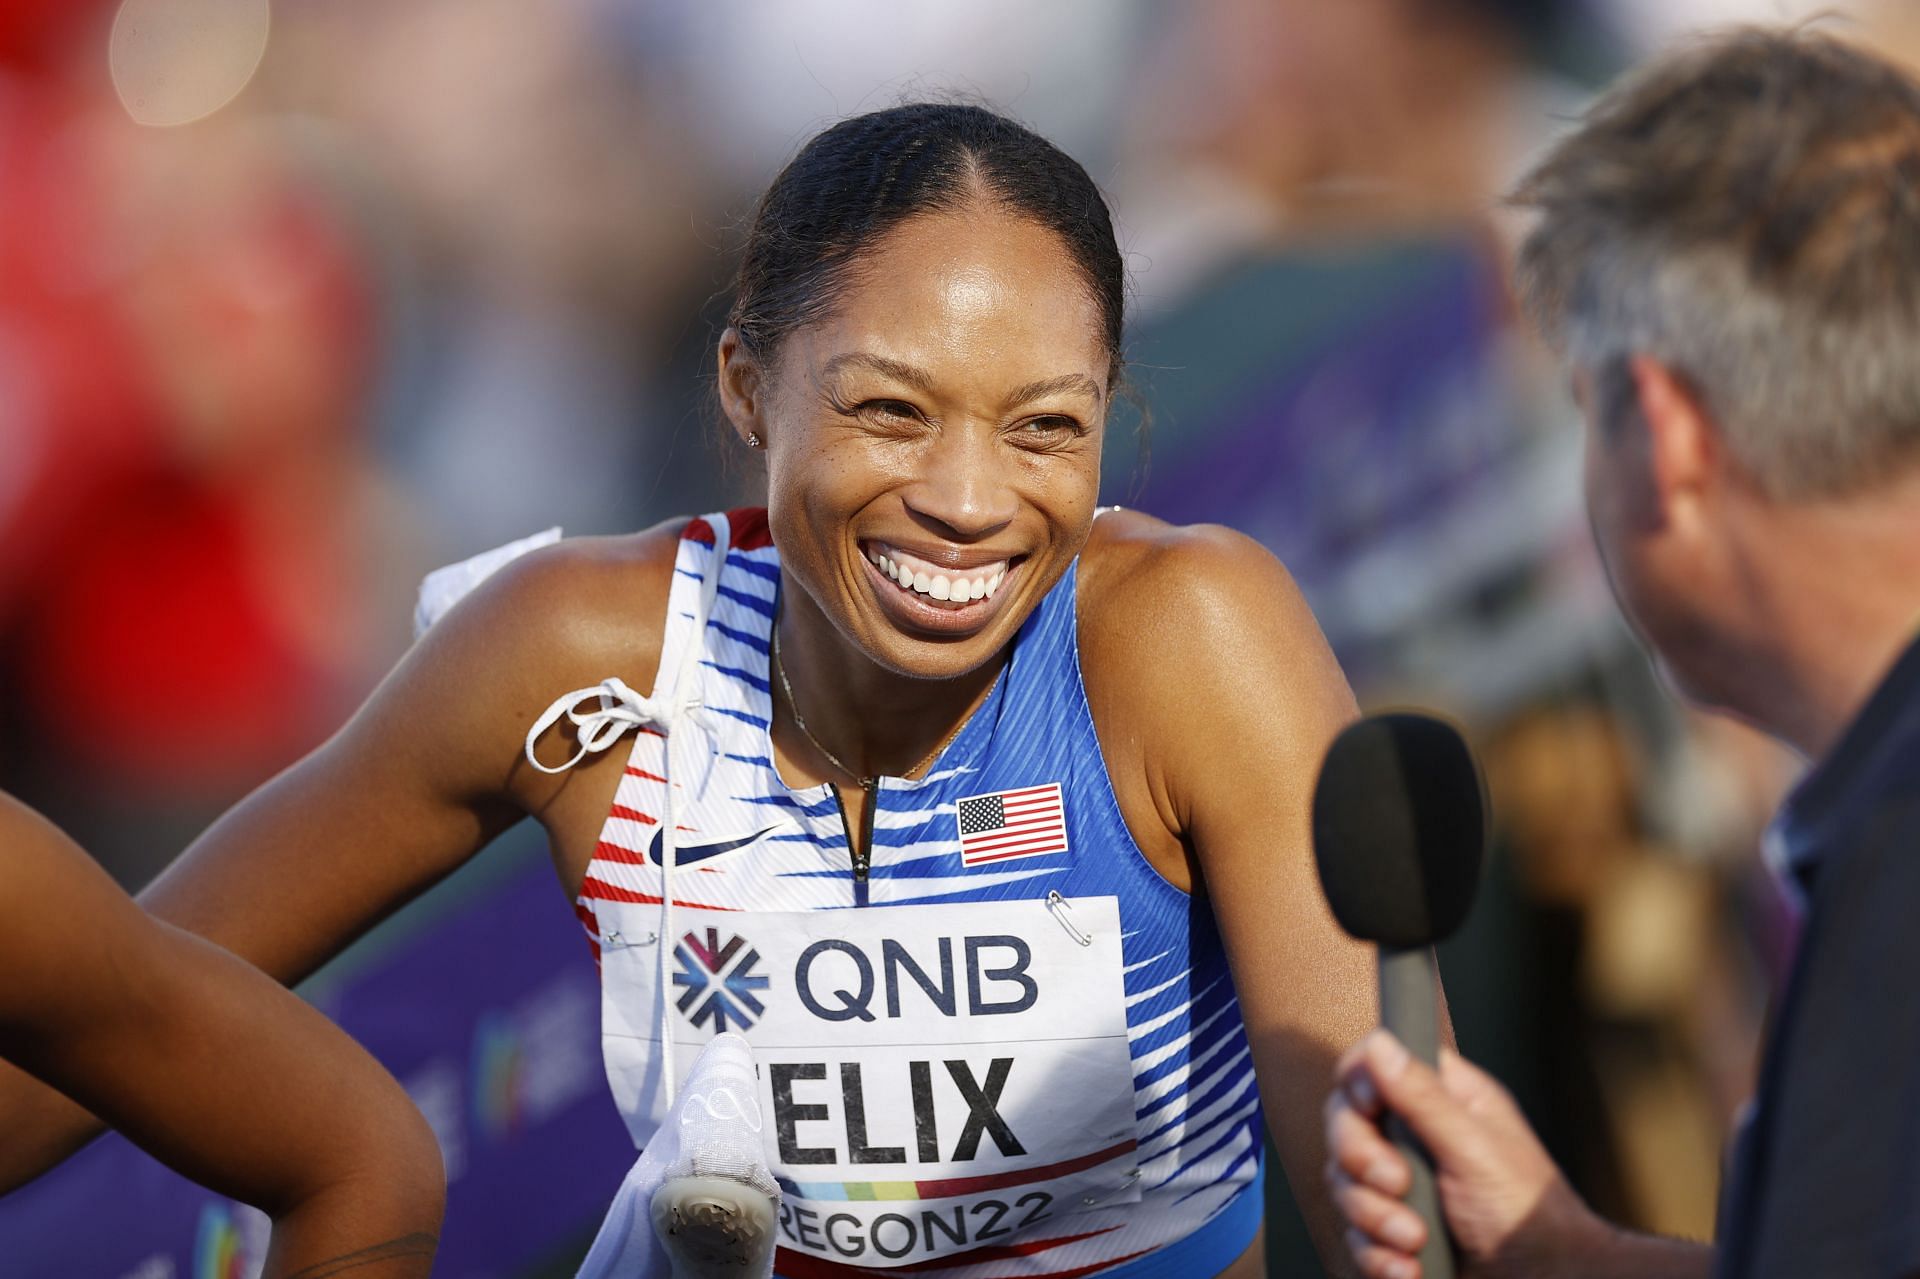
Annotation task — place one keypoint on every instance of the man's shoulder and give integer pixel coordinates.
(1837, 1148)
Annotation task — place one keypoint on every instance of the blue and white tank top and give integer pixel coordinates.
(1007, 1047)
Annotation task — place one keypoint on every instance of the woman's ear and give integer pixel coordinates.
(740, 387)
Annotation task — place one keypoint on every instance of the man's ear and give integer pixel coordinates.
(1685, 451)
(740, 384)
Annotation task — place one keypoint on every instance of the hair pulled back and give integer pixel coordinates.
(859, 179)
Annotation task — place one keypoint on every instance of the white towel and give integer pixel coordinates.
(441, 589)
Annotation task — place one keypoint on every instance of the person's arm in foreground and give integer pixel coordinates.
(210, 1066)
(1223, 670)
(1511, 1212)
(423, 776)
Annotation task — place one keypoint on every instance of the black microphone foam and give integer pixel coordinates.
(1399, 829)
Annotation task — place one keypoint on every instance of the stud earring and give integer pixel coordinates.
(753, 440)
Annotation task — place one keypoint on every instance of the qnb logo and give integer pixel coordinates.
(718, 981)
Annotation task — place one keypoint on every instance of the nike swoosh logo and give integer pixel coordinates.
(688, 854)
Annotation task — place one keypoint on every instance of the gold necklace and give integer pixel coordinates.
(780, 670)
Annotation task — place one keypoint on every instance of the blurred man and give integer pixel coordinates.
(1728, 252)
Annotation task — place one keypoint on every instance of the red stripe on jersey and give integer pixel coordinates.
(748, 525)
(1020, 1177)
(1093, 1269)
(603, 891)
(1000, 1252)
(605, 852)
(697, 530)
(796, 1265)
(591, 922)
(633, 815)
(643, 774)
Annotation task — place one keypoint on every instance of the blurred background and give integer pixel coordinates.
(300, 300)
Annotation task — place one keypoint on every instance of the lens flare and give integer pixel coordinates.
(176, 61)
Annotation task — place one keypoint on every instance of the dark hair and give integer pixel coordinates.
(858, 180)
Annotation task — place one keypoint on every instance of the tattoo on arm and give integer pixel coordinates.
(413, 1245)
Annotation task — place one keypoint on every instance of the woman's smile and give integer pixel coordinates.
(948, 592)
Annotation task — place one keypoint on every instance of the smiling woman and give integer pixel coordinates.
(991, 815)
(961, 447)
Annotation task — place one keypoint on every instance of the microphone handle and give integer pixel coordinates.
(1408, 1007)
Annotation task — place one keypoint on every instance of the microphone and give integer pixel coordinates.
(1399, 832)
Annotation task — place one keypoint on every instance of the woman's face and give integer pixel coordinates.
(933, 449)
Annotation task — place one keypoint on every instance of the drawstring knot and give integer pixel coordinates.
(619, 709)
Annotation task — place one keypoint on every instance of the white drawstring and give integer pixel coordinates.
(620, 709)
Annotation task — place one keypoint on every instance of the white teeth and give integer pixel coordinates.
(940, 586)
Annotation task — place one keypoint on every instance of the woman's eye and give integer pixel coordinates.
(890, 410)
(1051, 424)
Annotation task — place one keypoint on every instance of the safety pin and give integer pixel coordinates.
(616, 940)
(1133, 1175)
(1063, 911)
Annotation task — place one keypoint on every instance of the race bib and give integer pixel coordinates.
(934, 1078)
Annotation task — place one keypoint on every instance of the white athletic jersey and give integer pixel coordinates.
(1004, 1047)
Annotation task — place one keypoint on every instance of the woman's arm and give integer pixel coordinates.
(1211, 658)
(208, 1065)
(423, 776)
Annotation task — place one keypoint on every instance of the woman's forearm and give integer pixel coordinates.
(43, 1127)
(381, 1225)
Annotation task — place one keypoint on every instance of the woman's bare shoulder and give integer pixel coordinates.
(1186, 626)
(1179, 591)
(563, 617)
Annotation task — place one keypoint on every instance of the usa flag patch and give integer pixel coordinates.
(1006, 824)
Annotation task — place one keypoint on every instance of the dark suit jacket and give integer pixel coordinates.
(1825, 1182)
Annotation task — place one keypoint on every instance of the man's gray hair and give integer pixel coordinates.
(1747, 212)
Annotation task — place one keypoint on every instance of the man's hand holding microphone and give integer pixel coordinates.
(1429, 1159)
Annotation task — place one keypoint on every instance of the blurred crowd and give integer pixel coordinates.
(299, 301)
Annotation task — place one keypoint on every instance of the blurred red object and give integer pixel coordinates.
(39, 35)
(184, 352)
(76, 414)
(156, 652)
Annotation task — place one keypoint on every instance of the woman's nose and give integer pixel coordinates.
(965, 482)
